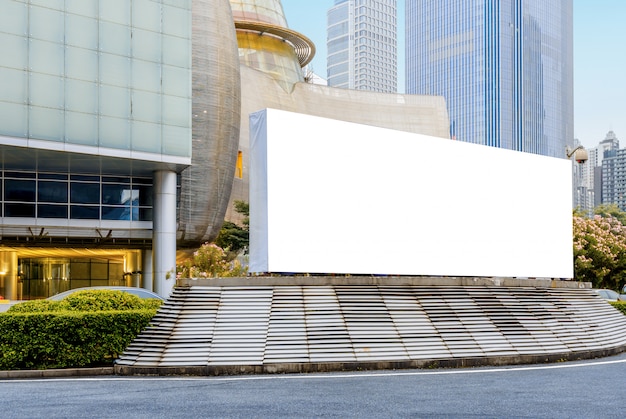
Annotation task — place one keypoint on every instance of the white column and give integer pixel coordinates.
(146, 270)
(164, 232)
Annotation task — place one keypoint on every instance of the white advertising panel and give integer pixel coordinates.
(329, 196)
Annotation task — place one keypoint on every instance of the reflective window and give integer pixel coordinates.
(121, 198)
(123, 203)
(84, 212)
(118, 194)
(52, 191)
(19, 210)
(84, 193)
(19, 190)
(51, 211)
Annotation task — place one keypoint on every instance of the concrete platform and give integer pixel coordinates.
(326, 323)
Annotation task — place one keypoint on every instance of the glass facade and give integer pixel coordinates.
(44, 277)
(266, 11)
(112, 74)
(270, 55)
(75, 196)
(362, 45)
(266, 50)
(504, 67)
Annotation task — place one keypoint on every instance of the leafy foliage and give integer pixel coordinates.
(35, 306)
(600, 251)
(67, 339)
(88, 300)
(610, 210)
(209, 261)
(87, 328)
(234, 237)
(620, 305)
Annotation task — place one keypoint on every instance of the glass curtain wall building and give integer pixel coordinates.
(95, 100)
(362, 45)
(505, 68)
(97, 126)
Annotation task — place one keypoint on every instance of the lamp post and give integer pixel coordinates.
(579, 153)
(579, 190)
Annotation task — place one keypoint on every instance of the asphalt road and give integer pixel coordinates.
(586, 389)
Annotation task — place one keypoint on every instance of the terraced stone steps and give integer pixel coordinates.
(210, 329)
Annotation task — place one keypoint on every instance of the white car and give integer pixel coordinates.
(139, 292)
(610, 295)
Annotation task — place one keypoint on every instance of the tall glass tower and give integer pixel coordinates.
(505, 68)
(362, 45)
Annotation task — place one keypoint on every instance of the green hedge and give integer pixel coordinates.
(88, 328)
(67, 339)
(620, 305)
(88, 300)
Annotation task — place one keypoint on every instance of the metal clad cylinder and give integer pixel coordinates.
(216, 107)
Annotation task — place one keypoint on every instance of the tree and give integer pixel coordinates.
(600, 250)
(209, 261)
(611, 210)
(233, 237)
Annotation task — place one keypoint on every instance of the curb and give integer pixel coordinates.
(325, 367)
(56, 373)
(304, 368)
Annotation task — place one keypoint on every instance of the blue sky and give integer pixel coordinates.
(599, 60)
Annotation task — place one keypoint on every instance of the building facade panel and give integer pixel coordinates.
(76, 75)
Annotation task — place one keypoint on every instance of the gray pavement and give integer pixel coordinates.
(583, 389)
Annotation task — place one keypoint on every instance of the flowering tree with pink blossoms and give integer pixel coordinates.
(600, 251)
(209, 261)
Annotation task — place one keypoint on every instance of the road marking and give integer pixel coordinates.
(330, 375)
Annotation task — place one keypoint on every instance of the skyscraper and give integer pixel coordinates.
(362, 45)
(504, 67)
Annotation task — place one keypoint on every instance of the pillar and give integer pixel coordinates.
(146, 270)
(132, 268)
(9, 274)
(164, 232)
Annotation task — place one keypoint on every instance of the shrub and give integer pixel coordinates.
(620, 305)
(209, 261)
(88, 328)
(67, 339)
(88, 300)
(101, 300)
(35, 306)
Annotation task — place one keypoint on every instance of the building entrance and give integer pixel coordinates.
(29, 274)
(44, 277)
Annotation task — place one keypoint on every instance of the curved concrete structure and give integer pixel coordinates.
(304, 324)
(419, 114)
(272, 56)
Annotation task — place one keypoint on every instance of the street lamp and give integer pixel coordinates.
(579, 153)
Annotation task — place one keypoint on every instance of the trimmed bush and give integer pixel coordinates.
(620, 305)
(88, 328)
(35, 306)
(67, 339)
(89, 300)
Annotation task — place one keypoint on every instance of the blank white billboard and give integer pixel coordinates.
(329, 196)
